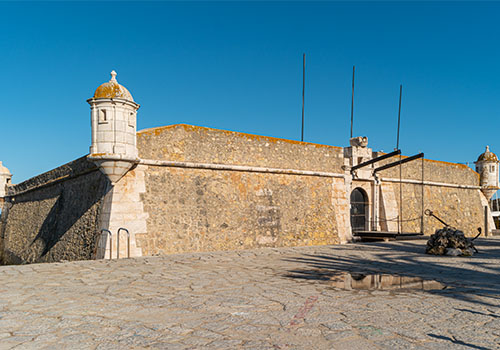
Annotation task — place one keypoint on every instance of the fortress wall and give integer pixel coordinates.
(206, 210)
(171, 209)
(205, 145)
(434, 170)
(458, 207)
(53, 216)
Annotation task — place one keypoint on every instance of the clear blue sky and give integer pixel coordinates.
(238, 66)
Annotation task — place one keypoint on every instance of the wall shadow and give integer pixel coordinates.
(453, 340)
(62, 224)
(473, 279)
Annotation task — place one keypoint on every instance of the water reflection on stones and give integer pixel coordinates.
(360, 281)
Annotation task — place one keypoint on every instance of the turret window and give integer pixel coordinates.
(131, 119)
(103, 118)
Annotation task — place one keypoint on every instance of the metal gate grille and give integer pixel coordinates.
(359, 209)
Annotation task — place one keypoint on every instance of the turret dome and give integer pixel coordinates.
(487, 156)
(112, 89)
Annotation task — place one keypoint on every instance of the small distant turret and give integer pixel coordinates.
(487, 167)
(5, 177)
(114, 126)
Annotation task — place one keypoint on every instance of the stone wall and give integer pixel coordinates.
(206, 210)
(461, 208)
(203, 210)
(434, 170)
(53, 216)
(172, 207)
(122, 207)
(204, 145)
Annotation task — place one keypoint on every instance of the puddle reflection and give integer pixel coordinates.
(359, 281)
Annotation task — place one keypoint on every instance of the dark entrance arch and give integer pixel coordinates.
(359, 210)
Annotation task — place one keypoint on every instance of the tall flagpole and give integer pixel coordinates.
(352, 98)
(399, 113)
(303, 93)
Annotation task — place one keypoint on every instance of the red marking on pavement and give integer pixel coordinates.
(308, 305)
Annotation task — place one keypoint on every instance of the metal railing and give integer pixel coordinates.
(118, 242)
(108, 232)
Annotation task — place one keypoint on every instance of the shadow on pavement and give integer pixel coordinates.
(456, 341)
(473, 279)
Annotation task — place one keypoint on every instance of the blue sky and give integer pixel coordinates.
(238, 66)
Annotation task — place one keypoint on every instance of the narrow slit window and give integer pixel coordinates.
(131, 119)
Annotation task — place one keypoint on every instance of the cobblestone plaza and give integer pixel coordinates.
(272, 298)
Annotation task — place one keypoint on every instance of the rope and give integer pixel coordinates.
(402, 220)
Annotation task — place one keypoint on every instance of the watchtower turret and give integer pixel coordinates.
(5, 177)
(114, 125)
(487, 167)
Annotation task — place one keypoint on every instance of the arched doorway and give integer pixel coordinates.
(359, 210)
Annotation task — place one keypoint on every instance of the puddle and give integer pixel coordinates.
(359, 281)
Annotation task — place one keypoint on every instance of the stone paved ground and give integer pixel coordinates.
(257, 299)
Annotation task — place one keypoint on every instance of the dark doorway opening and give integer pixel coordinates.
(359, 210)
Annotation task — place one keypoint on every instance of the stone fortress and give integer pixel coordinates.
(183, 188)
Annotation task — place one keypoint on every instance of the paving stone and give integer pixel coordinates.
(169, 346)
(397, 344)
(224, 344)
(255, 299)
(36, 345)
(337, 326)
(258, 345)
(373, 332)
(356, 343)
(11, 342)
(333, 336)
